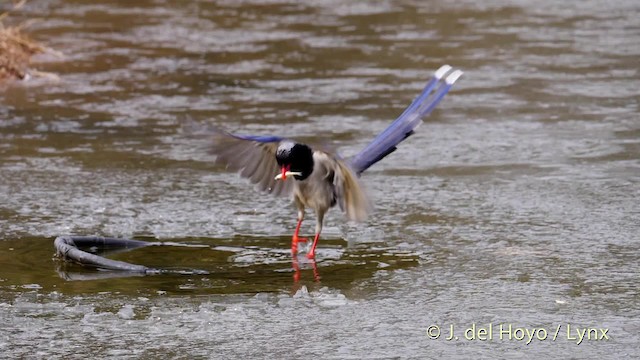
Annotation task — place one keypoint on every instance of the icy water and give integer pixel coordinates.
(515, 204)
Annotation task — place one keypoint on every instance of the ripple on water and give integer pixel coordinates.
(515, 202)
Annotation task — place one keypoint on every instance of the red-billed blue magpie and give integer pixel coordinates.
(318, 179)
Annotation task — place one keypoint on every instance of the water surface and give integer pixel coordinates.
(515, 202)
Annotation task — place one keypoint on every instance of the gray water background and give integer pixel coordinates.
(516, 202)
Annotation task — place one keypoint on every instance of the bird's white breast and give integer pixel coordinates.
(317, 191)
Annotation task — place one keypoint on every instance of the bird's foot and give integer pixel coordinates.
(297, 239)
(311, 254)
(294, 243)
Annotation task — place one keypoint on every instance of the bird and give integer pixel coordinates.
(320, 179)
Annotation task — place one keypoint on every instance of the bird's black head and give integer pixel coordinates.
(295, 157)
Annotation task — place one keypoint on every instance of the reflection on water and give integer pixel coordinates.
(207, 266)
(515, 202)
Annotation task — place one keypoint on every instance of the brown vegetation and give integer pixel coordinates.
(16, 49)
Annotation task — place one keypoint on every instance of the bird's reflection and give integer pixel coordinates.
(297, 267)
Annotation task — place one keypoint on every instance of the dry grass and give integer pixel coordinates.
(16, 49)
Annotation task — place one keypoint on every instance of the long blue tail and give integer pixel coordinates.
(404, 126)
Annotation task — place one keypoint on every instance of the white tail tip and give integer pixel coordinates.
(440, 73)
(453, 77)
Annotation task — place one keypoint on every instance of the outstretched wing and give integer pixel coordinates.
(385, 143)
(254, 157)
(349, 192)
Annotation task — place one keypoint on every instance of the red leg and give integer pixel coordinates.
(295, 240)
(312, 252)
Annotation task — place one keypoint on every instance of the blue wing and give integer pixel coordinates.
(258, 138)
(386, 142)
(254, 157)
